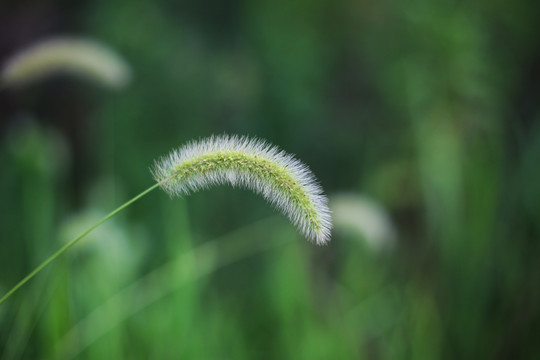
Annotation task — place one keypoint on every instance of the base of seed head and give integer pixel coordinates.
(284, 181)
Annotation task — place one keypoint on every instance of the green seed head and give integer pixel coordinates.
(239, 161)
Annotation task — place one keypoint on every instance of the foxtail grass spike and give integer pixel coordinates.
(284, 181)
(239, 161)
(84, 58)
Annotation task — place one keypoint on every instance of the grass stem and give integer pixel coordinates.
(74, 241)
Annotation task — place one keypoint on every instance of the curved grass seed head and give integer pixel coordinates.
(84, 58)
(284, 181)
(239, 161)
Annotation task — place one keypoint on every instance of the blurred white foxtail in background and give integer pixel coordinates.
(366, 217)
(83, 58)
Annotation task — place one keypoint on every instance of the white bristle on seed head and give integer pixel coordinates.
(284, 181)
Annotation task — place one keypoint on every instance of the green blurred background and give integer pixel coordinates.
(420, 119)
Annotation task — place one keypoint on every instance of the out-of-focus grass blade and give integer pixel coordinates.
(202, 260)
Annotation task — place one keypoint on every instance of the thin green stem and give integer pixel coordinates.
(74, 241)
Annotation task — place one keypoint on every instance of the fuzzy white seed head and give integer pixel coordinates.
(284, 181)
(366, 217)
(79, 57)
